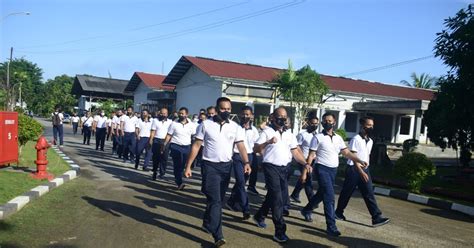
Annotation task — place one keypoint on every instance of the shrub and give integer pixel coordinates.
(341, 132)
(28, 130)
(409, 145)
(415, 167)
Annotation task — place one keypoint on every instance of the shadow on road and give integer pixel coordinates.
(349, 241)
(448, 214)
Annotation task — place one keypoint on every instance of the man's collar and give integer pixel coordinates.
(219, 121)
(326, 133)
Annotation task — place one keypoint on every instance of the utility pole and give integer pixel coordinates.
(9, 103)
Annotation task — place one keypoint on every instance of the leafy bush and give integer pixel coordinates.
(410, 145)
(341, 132)
(415, 167)
(28, 129)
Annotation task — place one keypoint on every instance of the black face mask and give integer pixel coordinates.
(281, 122)
(311, 128)
(160, 117)
(244, 120)
(224, 115)
(327, 126)
(181, 118)
(369, 131)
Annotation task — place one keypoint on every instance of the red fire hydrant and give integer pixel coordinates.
(41, 159)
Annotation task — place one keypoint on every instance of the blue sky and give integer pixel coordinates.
(123, 36)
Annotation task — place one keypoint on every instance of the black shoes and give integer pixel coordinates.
(380, 221)
(339, 216)
(306, 215)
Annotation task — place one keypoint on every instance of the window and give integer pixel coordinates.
(405, 122)
(351, 122)
(423, 126)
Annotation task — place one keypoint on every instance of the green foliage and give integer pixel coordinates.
(341, 132)
(424, 81)
(57, 91)
(28, 129)
(409, 145)
(450, 117)
(304, 88)
(108, 106)
(415, 168)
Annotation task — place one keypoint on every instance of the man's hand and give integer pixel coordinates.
(272, 140)
(247, 169)
(309, 168)
(188, 173)
(364, 176)
(303, 176)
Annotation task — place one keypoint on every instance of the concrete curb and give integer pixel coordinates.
(420, 199)
(19, 202)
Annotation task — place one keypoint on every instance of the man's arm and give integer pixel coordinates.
(244, 156)
(152, 136)
(194, 151)
(309, 162)
(352, 156)
(122, 124)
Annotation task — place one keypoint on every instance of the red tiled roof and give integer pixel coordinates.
(230, 69)
(154, 81)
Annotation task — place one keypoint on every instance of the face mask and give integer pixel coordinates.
(224, 115)
(327, 126)
(160, 117)
(280, 122)
(369, 131)
(244, 120)
(181, 118)
(311, 128)
(102, 114)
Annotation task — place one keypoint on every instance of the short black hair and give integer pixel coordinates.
(222, 99)
(185, 109)
(145, 110)
(210, 107)
(276, 110)
(364, 119)
(312, 115)
(247, 108)
(329, 114)
(202, 110)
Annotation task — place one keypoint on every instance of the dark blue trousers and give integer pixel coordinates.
(119, 141)
(276, 178)
(87, 135)
(142, 144)
(256, 161)
(216, 177)
(179, 154)
(100, 138)
(352, 181)
(74, 127)
(129, 144)
(239, 194)
(326, 177)
(307, 186)
(160, 160)
(58, 131)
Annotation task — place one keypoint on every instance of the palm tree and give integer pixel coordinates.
(424, 81)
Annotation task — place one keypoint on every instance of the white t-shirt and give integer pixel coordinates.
(100, 121)
(279, 153)
(327, 148)
(61, 117)
(108, 123)
(304, 140)
(181, 133)
(75, 119)
(88, 121)
(115, 122)
(219, 140)
(129, 123)
(160, 127)
(361, 147)
(251, 136)
(144, 128)
(83, 119)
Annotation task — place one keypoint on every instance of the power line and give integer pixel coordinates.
(178, 33)
(388, 66)
(140, 27)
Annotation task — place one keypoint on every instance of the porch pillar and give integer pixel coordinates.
(417, 126)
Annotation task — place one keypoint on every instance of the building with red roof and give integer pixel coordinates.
(397, 109)
(149, 91)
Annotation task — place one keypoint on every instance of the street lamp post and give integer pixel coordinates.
(9, 103)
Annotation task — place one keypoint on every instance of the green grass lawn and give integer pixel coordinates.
(18, 181)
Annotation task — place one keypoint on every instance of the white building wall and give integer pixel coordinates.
(196, 90)
(140, 96)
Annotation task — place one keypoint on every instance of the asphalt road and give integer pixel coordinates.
(126, 209)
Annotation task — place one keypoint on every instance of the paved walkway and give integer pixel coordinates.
(125, 208)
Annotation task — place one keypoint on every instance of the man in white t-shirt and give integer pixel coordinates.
(325, 147)
(159, 130)
(358, 175)
(278, 146)
(239, 198)
(304, 140)
(128, 124)
(219, 136)
(99, 127)
(87, 128)
(142, 131)
(117, 146)
(75, 123)
(179, 137)
(57, 118)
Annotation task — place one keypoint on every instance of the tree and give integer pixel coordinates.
(57, 91)
(304, 88)
(450, 116)
(30, 76)
(424, 81)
